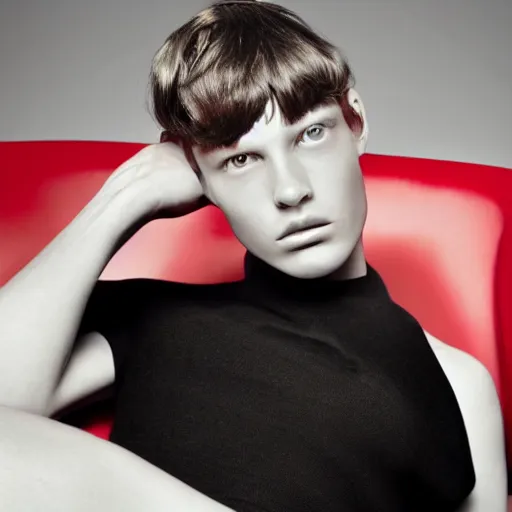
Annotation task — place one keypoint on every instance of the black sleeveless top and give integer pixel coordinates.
(282, 394)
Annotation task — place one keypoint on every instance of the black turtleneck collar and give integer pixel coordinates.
(266, 279)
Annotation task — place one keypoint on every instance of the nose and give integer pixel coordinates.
(292, 188)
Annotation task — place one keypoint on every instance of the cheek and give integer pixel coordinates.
(353, 196)
(340, 191)
(239, 212)
(250, 231)
(241, 200)
(338, 178)
(248, 219)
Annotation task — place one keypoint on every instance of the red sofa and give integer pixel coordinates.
(440, 234)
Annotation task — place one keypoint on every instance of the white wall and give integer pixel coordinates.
(436, 75)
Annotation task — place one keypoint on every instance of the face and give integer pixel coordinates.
(293, 194)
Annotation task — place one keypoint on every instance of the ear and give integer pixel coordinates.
(356, 103)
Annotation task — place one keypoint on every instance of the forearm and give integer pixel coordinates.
(41, 306)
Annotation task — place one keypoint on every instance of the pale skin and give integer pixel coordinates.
(39, 379)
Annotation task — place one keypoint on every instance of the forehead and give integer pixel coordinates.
(273, 121)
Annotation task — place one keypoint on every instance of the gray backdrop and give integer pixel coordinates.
(435, 76)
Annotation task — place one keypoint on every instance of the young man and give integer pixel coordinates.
(303, 387)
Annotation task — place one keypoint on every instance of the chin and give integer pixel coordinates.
(315, 262)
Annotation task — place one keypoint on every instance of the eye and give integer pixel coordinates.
(237, 161)
(314, 133)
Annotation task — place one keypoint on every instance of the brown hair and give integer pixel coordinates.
(213, 77)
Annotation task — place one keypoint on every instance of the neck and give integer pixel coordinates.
(353, 268)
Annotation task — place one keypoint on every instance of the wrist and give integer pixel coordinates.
(124, 207)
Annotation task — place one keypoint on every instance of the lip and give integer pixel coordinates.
(302, 226)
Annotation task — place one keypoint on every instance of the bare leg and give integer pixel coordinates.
(45, 465)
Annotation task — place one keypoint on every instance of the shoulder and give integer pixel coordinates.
(145, 290)
(113, 305)
(464, 371)
(123, 302)
(469, 378)
(473, 386)
(136, 287)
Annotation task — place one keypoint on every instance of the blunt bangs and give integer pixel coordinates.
(213, 77)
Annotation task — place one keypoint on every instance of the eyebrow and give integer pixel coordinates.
(322, 111)
(208, 150)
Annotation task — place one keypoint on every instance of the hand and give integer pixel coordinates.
(162, 182)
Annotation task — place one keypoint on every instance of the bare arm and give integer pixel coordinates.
(481, 411)
(88, 376)
(41, 307)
